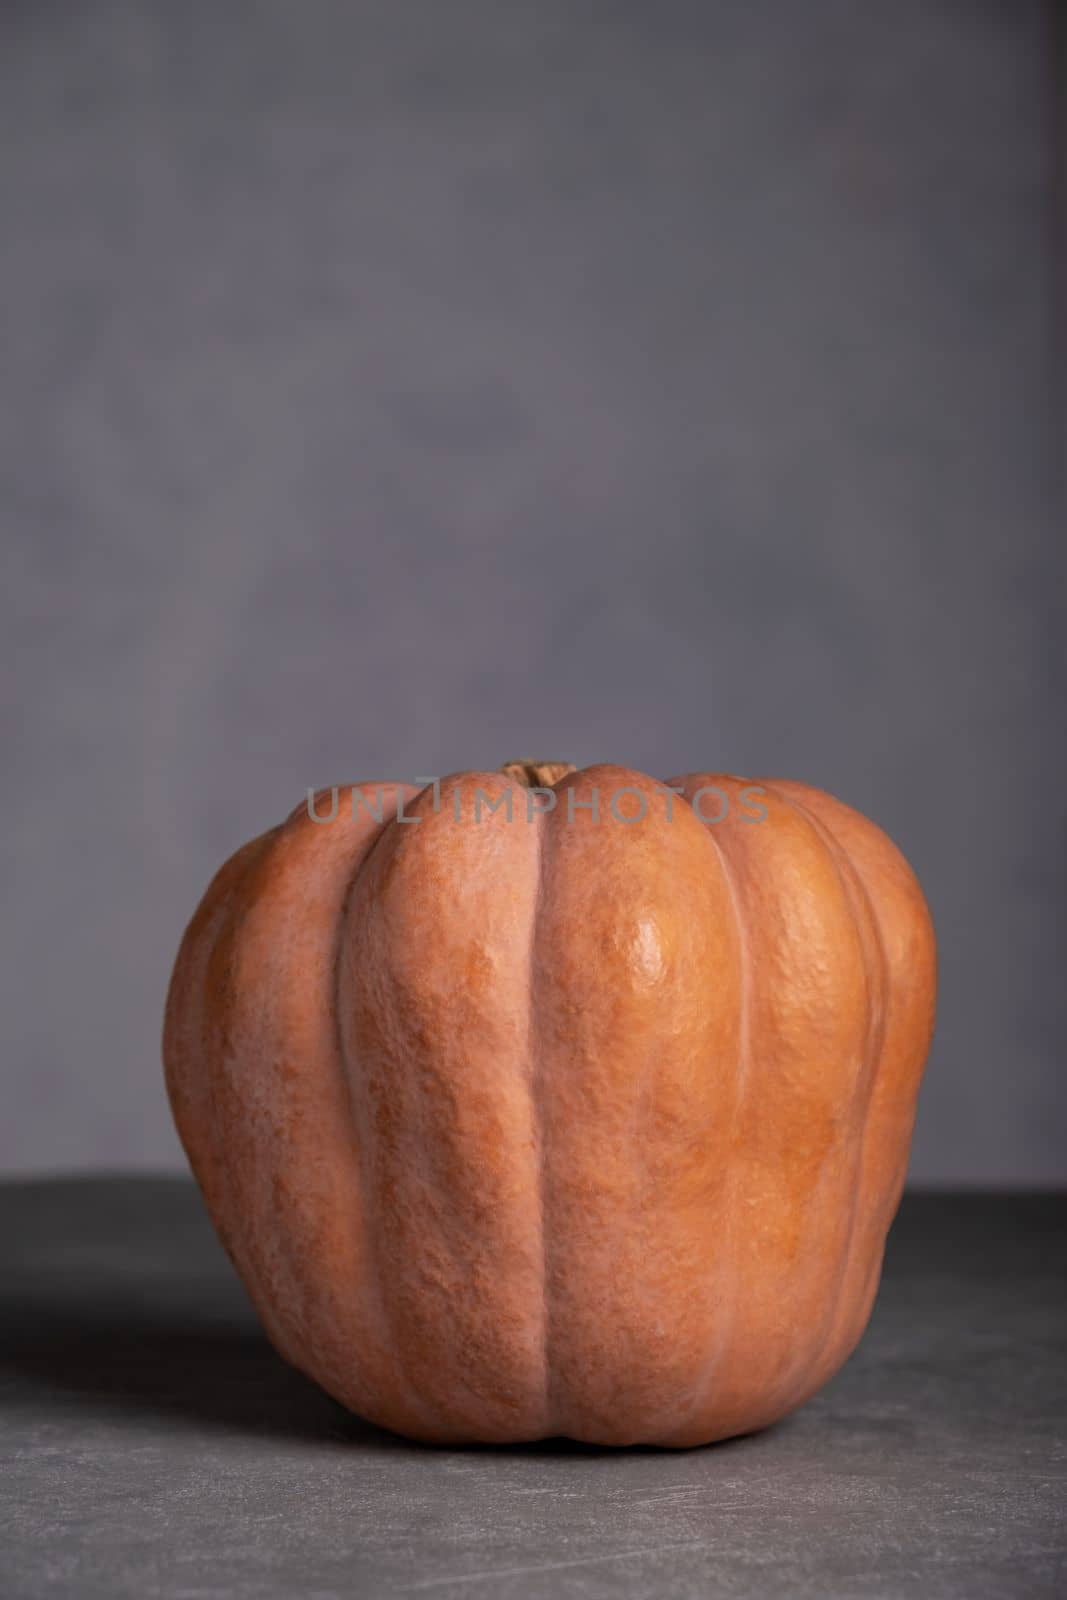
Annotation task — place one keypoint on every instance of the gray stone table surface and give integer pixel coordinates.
(153, 1444)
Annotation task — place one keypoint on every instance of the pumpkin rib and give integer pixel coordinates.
(431, 1425)
(303, 1259)
(223, 979)
(222, 965)
(761, 889)
(535, 1074)
(724, 1335)
(903, 919)
(439, 1006)
(380, 1368)
(193, 1097)
(628, 1206)
(867, 925)
(246, 1179)
(248, 1165)
(372, 1277)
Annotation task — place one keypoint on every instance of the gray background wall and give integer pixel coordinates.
(391, 387)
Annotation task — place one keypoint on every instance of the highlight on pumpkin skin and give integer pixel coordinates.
(569, 1128)
(540, 781)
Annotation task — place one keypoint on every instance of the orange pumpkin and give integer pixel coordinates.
(574, 1122)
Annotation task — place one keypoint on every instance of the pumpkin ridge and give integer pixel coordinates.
(904, 921)
(449, 1291)
(744, 1062)
(623, 1361)
(372, 1273)
(225, 955)
(430, 1416)
(858, 895)
(764, 876)
(211, 924)
(537, 1123)
(304, 861)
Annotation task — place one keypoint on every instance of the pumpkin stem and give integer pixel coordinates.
(537, 774)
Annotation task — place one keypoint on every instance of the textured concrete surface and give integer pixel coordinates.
(153, 1445)
(396, 387)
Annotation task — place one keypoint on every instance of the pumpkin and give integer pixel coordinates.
(586, 1120)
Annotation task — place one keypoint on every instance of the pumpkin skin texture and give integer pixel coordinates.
(573, 1126)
